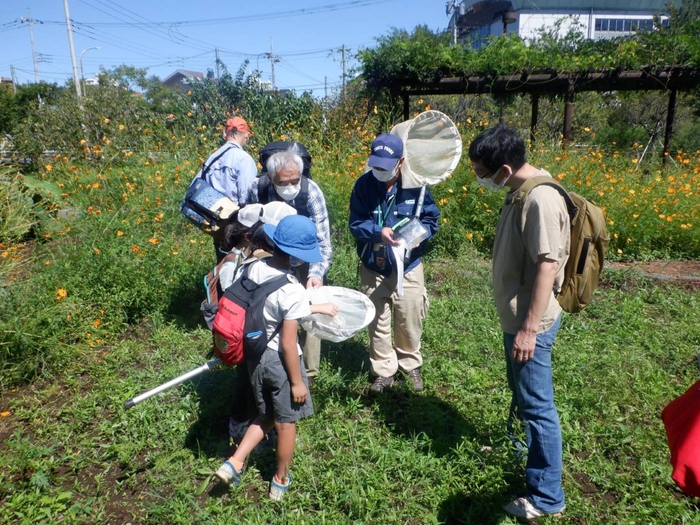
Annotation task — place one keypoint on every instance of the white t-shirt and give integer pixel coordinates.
(288, 303)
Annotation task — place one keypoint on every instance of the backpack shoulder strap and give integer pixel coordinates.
(302, 200)
(275, 284)
(263, 188)
(270, 287)
(542, 180)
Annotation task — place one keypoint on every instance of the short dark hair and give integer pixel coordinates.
(498, 146)
(234, 233)
(259, 239)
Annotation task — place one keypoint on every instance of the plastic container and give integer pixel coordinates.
(411, 233)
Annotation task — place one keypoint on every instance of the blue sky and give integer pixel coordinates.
(307, 36)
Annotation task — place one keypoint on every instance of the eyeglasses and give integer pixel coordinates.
(485, 175)
(288, 182)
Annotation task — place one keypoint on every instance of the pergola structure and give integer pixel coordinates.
(652, 78)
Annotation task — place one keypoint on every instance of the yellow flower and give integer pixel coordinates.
(119, 233)
(48, 167)
(134, 248)
(469, 235)
(153, 240)
(97, 251)
(62, 292)
(5, 414)
(96, 323)
(121, 127)
(106, 121)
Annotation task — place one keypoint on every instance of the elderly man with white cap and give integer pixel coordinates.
(389, 275)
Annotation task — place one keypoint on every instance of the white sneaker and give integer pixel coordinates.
(525, 509)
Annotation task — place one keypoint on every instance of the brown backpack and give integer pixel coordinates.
(589, 240)
(210, 305)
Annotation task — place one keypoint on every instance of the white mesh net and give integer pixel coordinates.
(355, 312)
(432, 147)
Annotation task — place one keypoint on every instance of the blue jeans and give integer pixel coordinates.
(533, 396)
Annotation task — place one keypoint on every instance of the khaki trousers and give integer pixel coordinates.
(408, 311)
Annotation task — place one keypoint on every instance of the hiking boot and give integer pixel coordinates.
(525, 509)
(416, 379)
(380, 383)
(278, 490)
(228, 474)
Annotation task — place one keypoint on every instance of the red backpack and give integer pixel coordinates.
(239, 326)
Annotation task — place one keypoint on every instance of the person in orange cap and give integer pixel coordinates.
(231, 170)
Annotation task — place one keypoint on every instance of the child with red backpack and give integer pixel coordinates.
(278, 378)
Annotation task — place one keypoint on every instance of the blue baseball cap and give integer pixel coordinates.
(295, 235)
(386, 152)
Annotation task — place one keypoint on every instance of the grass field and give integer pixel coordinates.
(104, 304)
(72, 454)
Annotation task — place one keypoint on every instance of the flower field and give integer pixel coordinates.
(102, 280)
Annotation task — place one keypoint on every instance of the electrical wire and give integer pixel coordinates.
(265, 16)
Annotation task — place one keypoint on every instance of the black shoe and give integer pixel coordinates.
(416, 379)
(380, 383)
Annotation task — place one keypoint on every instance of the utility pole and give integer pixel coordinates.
(454, 8)
(325, 87)
(14, 78)
(217, 62)
(342, 51)
(76, 78)
(273, 59)
(31, 21)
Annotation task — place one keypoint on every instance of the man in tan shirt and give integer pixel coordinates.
(529, 254)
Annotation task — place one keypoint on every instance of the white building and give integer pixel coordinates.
(476, 20)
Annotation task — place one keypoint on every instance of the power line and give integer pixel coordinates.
(134, 23)
(247, 18)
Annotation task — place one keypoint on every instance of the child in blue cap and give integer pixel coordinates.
(279, 379)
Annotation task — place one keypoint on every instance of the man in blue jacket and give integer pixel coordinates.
(391, 276)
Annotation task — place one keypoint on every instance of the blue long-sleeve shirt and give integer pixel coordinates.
(232, 173)
(372, 208)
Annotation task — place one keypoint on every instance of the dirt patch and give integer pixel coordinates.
(683, 270)
(682, 274)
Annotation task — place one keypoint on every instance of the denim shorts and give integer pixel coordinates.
(273, 392)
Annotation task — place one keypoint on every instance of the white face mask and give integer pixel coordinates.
(288, 193)
(489, 184)
(384, 175)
